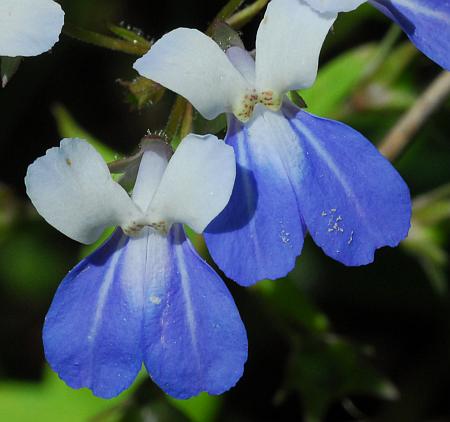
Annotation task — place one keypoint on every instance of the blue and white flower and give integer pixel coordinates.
(425, 22)
(145, 296)
(295, 171)
(29, 27)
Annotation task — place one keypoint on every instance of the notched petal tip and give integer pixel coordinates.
(359, 203)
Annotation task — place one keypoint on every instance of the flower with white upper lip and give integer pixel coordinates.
(145, 296)
(295, 172)
(29, 27)
(425, 22)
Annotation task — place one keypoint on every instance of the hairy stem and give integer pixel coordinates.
(105, 41)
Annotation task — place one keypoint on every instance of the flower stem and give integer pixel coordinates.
(186, 125)
(241, 18)
(176, 118)
(229, 9)
(105, 41)
(381, 53)
(402, 133)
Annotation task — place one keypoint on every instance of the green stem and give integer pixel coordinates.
(229, 9)
(241, 18)
(381, 53)
(104, 41)
(175, 118)
(186, 125)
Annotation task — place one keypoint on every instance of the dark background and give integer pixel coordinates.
(329, 342)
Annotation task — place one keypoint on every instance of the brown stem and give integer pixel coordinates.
(408, 125)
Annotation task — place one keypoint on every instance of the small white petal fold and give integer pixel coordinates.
(333, 6)
(197, 184)
(71, 187)
(288, 45)
(29, 27)
(191, 64)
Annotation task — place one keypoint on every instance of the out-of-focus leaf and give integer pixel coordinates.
(142, 92)
(69, 128)
(336, 81)
(9, 66)
(203, 408)
(31, 262)
(426, 244)
(327, 371)
(293, 304)
(53, 401)
(426, 240)
(396, 63)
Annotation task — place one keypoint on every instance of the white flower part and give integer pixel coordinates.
(152, 167)
(288, 46)
(196, 185)
(71, 187)
(244, 62)
(333, 6)
(29, 27)
(191, 64)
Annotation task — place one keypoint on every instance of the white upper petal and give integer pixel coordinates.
(151, 170)
(288, 45)
(244, 62)
(334, 6)
(197, 184)
(29, 27)
(71, 187)
(191, 64)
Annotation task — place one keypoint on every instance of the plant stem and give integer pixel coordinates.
(104, 41)
(381, 53)
(228, 9)
(241, 18)
(176, 117)
(186, 125)
(408, 125)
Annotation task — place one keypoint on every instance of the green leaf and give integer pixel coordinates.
(336, 81)
(203, 408)
(69, 128)
(52, 401)
(32, 261)
(293, 304)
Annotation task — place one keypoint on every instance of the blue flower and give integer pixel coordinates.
(145, 296)
(425, 22)
(295, 172)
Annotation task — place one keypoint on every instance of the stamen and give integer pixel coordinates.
(244, 110)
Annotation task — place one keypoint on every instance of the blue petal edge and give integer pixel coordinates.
(194, 338)
(92, 332)
(352, 199)
(260, 233)
(426, 22)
